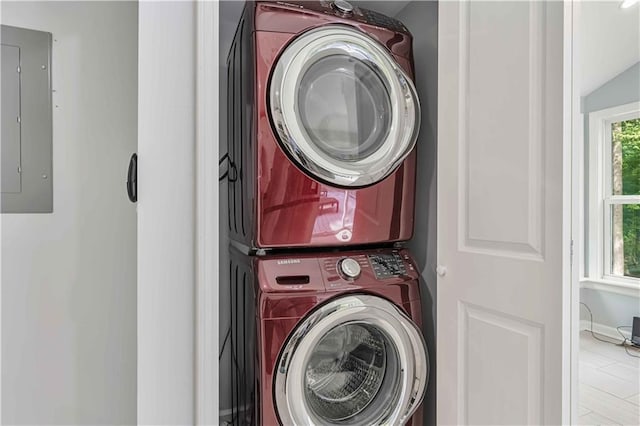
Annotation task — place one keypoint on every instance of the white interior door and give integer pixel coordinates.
(500, 213)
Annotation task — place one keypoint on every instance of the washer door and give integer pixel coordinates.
(343, 108)
(356, 360)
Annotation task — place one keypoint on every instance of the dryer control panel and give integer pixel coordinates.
(346, 10)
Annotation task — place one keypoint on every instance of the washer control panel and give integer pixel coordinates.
(381, 20)
(387, 265)
(373, 268)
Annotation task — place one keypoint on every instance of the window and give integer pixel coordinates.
(614, 194)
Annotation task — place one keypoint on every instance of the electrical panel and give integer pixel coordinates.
(26, 121)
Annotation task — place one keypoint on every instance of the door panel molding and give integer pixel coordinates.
(503, 233)
(529, 375)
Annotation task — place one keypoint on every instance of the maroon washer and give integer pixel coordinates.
(322, 123)
(330, 338)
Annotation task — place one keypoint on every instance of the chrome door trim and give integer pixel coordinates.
(411, 348)
(289, 70)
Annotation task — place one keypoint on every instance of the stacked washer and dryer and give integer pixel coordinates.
(326, 313)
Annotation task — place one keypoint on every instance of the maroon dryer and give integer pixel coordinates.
(323, 118)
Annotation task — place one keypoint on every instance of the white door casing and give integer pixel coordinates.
(166, 294)
(500, 213)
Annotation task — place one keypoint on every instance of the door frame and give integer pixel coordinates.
(207, 233)
(573, 133)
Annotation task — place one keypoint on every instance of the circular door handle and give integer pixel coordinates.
(441, 270)
(343, 6)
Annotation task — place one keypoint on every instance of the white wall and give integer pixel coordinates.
(166, 213)
(609, 309)
(69, 278)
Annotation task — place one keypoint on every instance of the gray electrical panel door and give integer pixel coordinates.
(26, 151)
(10, 153)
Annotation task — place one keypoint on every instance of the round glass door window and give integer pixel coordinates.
(342, 107)
(357, 360)
(352, 376)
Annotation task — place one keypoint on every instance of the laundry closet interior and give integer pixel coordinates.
(421, 20)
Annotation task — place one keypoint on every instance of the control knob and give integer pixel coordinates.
(343, 6)
(350, 268)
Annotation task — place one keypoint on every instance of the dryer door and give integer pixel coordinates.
(356, 360)
(343, 108)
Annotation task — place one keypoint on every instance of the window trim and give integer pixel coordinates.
(600, 188)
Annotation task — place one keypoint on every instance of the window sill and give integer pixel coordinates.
(625, 289)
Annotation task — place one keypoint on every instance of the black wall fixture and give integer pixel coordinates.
(132, 179)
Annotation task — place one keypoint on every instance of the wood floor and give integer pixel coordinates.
(609, 383)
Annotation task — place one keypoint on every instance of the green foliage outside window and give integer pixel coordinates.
(626, 136)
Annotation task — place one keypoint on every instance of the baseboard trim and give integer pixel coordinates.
(604, 330)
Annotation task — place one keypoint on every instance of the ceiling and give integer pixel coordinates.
(608, 42)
